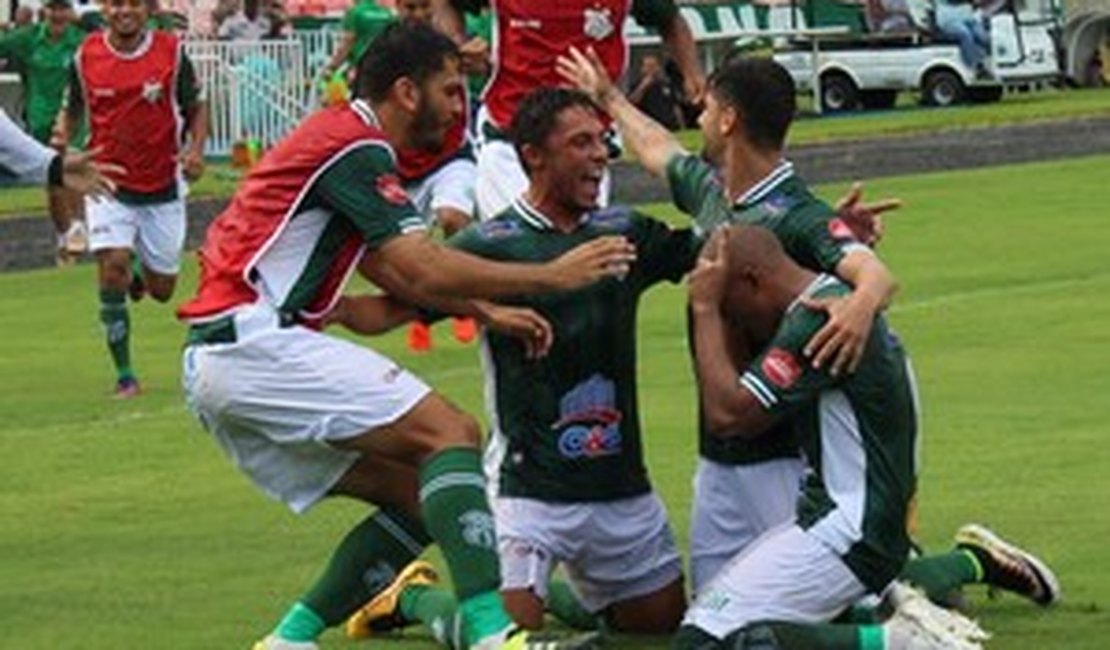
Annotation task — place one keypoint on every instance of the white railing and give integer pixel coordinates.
(259, 90)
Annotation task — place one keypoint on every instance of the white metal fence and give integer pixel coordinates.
(262, 89)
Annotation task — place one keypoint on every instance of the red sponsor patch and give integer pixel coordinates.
(389, 186)
(781, 368)
(840, 230)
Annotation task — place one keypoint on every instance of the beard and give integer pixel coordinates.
(426, 131)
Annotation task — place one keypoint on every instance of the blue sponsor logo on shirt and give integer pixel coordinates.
(589, 421)
(498, 229)
(613, 218)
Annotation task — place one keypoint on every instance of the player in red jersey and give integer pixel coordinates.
(528, 38)
(441, 183)
(307, 415)
(140, 94)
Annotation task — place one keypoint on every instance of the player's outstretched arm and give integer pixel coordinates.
(429, 269)
(729, 408)
(678, 39)
(650, 141)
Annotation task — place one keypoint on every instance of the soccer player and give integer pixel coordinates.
(306, 415)
(528, 38)
(859, 429)
(137, 87)
(749, 108)
(33, 162)
(361, 23)
(44, 53)
(441, 183)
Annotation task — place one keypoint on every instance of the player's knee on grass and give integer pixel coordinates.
(525, 608)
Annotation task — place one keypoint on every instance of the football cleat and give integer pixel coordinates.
(918, 624)
(126, 388)
(382, 612)
(1008, 567)
(277, 643)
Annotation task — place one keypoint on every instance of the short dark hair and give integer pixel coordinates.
(401, 50)
(763, 92)
(537, 114)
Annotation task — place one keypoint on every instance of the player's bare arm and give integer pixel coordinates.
(81, 172)
(679, 42)
(650, 141)
(841, 342)
(449, 20)
(431, 269)
(192, 158)
(728, 407)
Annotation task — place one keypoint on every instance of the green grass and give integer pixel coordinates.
(124, 526)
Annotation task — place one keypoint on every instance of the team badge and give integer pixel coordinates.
(781, 368)
(477, 529)
(597, 24)
(389, 187)
(152, 91)
(840, 230)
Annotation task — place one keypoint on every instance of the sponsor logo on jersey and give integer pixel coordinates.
(840, 231)
(614, 218)
(102, 92)
(597, 23)
(152, 91)
(498, 228)
(589, 423)
(781, 368)
(390, 189)
(525, 23)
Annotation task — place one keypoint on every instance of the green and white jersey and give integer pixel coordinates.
(566, 428)
(858, 433)
(810, 233)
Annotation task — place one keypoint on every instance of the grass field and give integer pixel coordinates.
(124, 527)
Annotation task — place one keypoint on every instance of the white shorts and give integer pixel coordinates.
(786, 575)
(612, 551)
(501, 177)
(736, 504)
(450, 186)
(156, 231)
(277, 397)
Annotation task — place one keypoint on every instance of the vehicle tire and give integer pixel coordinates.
(985, 94)
(838, 93)
(942, 88)
(879, 99)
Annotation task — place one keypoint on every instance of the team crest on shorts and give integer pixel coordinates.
(781, 368)
(597, 23)
(390, 189)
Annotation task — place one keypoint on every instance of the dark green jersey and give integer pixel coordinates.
(809, 231)
(566, 427)
(45, 63)
(859, 435)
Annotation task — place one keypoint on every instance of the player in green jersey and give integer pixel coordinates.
(859, 431)
(45, 53)
(362, 22)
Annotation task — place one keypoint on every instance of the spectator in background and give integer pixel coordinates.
(362, 22)
(252, 22)
(960, 21)
(654, 94)
(889, 17)
(44, 55)
(24, 16)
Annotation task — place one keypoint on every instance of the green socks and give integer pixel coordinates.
(363, 564)
(457, 514)
(437, 610)
(940, 575)
(565, 606)
(117, 330)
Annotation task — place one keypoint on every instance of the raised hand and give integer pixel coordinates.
(865, 220)
(706, 284)
(586, 72)
(609, 256)
(83, 174)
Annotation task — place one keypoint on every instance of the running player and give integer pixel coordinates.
(306, 415)
(137, 85)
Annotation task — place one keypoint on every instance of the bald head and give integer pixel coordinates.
(754, 249)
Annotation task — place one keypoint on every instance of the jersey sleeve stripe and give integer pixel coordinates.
(758, 389)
